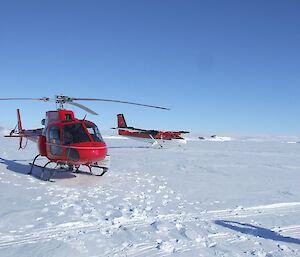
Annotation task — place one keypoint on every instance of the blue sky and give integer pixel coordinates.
(221, 66)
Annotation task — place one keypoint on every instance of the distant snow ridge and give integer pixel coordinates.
(219, 139)
(114, 137)
(4, 131)
(212, 138)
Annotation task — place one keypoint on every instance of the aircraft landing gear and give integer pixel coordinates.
(32, 164)
(48, 172)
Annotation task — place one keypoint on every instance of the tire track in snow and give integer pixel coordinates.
(150, 250)
(70, 230)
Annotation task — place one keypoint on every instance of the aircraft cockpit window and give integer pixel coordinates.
(68, 116)
(94, 132)
(74, 133)
(54, 140)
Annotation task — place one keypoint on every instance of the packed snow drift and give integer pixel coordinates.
(231, 198)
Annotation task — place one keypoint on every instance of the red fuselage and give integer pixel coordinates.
(69, 140)
(151, 134)
(163, 135)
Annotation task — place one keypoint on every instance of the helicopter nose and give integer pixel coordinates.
(94, 153)
(97, 155)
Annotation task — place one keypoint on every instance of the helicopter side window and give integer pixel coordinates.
(68, 117)
(74, 133)
(54, 140)
(94, 132)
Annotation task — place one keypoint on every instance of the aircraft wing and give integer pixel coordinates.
(132, 129)
(150, 131)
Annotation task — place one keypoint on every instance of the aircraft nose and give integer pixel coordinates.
(88, 153)
(98, 153)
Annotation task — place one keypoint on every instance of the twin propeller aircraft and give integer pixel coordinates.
(155, 137)
(68, 142)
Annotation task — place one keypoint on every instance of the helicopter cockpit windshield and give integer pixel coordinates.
(94, 132)
(74, 133)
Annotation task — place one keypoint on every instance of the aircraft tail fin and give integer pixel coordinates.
(18, 131)
(121, 124)
(20, 128)
(121, 121)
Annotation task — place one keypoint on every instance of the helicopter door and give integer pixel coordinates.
(54, 140)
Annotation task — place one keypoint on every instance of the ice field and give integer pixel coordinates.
(209, 198)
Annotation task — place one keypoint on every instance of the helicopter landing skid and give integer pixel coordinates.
(43, 176)
(47, 173)
(90, 166)
(32, 164)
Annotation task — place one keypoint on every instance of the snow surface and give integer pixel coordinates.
(234, 198)
(215, 138)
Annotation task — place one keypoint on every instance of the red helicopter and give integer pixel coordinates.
(67, 142)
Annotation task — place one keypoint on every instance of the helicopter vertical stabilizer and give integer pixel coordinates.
(20, 128)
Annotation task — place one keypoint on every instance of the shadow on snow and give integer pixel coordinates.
(256, 231)
(16, 166)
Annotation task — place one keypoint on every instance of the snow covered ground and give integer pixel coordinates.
(234, 198)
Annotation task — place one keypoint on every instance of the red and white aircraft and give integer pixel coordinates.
(155, 137)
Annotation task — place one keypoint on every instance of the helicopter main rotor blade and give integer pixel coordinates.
(118, 101)
(83, 107)
(45, 99)
(62, 99)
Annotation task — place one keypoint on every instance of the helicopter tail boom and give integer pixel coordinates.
(18, 131)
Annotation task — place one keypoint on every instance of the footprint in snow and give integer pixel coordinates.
(45, 210)
(54, 203)
(165, 202)
(60, 213)
(165, 246)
